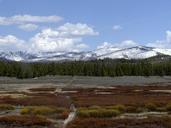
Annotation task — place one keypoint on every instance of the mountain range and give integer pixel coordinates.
(137, 52)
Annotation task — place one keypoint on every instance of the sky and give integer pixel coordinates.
(77, 25)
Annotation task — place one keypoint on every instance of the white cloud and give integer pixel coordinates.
(162, 43)
(25, 19)
(56, 44)
(168, 36)
(105, 45)
(127, 43)
(117, 27)
(65, 38)
(76, 30)
(28, 27)
(68, 37)
(11, 43)
(166, 43)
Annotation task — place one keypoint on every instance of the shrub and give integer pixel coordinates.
(161, 109)
(151, 106)
(118, 107)
(37, 110)
(98, 113)
(132, 109)
(60, 110)
(63, 115)
(152, 122)
(168, 107)
(141, 109)
(25, 110)
(95, 107)
(6, 107)
(41, 110)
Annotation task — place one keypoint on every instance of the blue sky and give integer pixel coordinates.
(136, 22)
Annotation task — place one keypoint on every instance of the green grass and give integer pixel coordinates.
(41, 110)
(98, 112)
(4, 107)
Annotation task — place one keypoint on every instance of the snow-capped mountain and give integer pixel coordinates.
(138, 52)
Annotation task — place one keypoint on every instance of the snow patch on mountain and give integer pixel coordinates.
(137, 52)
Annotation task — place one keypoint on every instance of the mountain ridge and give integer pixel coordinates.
(136, 52)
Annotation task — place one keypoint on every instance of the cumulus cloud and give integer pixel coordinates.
(76, 30)
(166, 43)
(117, 27)
(25, 19)
(11, 43)
(68, 37)
(64, 38)
(28, 27)
(162, 43)
(105, 45)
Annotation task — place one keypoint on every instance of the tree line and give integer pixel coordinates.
(105, 67)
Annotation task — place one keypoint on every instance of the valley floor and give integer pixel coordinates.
(85, 102)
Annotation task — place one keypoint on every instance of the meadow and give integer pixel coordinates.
(114, 106)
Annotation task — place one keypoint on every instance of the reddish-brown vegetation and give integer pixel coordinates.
(62, 115)
(132, 95)
(96, 107)
(50, 99)
(25, 121)
(42, 89)
(164, 122)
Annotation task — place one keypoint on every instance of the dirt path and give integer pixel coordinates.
(71, 116)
